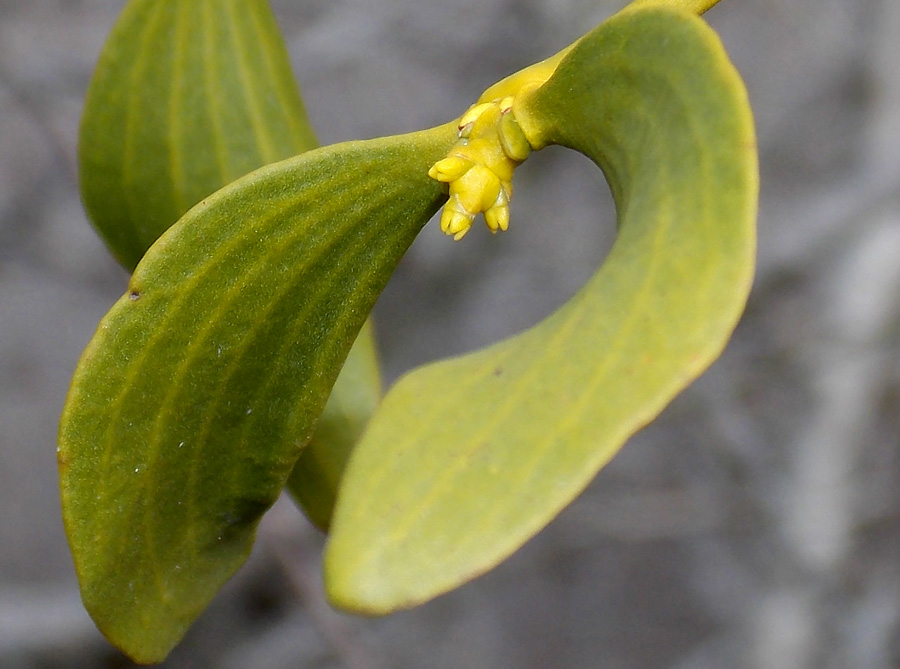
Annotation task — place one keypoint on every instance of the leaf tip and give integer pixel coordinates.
(356, 587)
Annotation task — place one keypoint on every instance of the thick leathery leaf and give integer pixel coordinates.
(539, 72)
(468, 458)
(193, 400)
(316, 477)
(187, 96)
(696, 6)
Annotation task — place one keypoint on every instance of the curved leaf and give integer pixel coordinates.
(468, 458)
(187, 96)
(316, 477)
(203, 383)
(538, 73)
(696, 6)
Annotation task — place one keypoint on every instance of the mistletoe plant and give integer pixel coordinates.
(228, 370)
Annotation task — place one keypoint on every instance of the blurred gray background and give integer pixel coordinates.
(755, 524)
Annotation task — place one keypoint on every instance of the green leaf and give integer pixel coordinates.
(201, 386)
(316, 477)
(696, 6)
(466, 459)
(187, 96)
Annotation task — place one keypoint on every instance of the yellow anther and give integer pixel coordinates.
(450, 168)
(479, 167)
(497, 217)
(476, 190)
(455, 220)
(469, 118)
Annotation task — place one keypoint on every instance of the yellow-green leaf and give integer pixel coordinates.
(468, 458)
(697, 6)
(201, 386)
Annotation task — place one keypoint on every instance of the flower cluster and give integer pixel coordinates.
(480, 166)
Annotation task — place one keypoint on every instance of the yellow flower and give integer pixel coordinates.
(479, 167)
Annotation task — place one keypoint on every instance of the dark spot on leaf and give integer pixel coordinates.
(498, 371)
(134, 295)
